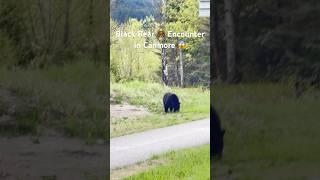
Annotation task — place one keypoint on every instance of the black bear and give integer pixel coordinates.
(171, 102)
(216, 134)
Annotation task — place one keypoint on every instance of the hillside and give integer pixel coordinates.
(121, 10)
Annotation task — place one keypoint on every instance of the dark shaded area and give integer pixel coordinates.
(274, 41)
(216, 135)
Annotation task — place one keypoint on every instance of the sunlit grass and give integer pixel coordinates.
(194, 106)
(193, 163)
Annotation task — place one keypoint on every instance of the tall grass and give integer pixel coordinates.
(270, 133)
(70, 98)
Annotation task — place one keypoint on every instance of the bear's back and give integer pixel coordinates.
(217, 133)
(166, 97)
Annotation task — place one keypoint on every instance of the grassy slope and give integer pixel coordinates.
(270, 134)
(194, 106)
(190, 163)
(70, 98)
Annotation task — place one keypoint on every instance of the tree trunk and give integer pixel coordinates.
(164, 67)
(177, 73)
(217, 68)
(171, 68)
(230, 40)
(181, 69)
(66, 23)
(163, 50)
(42, 18)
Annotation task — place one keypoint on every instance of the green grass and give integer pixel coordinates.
(69, 98)
(193, 163)
(194, 106)
(270, 134)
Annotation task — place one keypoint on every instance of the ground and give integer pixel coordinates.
(127, 111)
(57, 156)
(51, 156)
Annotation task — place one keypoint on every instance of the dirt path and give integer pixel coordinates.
(53, 157)
(119, 111)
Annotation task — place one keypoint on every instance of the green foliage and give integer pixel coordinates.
(51, 70)
(41, 33)
(183, 16)
(128, 62)
(180, 16)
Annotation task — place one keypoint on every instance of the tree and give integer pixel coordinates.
(182, 16)
(217, 68)
(230, 40)
(46, 32)
(130, 63)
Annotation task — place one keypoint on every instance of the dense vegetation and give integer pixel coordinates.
(272, 40)
(41, 33)
(52, 67)
(271, 133)
(65, 98)
(182, 16)
(129, 63)
(270, 49)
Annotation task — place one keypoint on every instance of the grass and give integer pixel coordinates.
(69, 98)
(270, 134)
(193, 163)
(194, 106)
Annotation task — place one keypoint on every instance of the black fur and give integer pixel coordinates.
(171, 103)
(216, 134)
